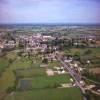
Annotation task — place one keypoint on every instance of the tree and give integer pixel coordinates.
(11, 89)
(10, 60)
(77, 56)
(87, 52)
(45, 60)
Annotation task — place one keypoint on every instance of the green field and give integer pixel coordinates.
(46, 82)
(47, 94)
(54, 64)
(7, 79)
(43, 87)
(32, 72)
(21, 63)
(41, 82)
(3, 64)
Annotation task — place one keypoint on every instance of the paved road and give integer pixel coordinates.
(75, 75)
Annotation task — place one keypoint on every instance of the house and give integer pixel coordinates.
(10, 44)
(1, 48)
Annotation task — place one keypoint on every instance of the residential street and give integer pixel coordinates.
(74, 75)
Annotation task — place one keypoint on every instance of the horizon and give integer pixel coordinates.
(50, 24)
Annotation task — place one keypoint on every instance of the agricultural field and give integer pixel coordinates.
(7, 79)
(21, 63)
(23, 78)
(31, 72)
(47, 94)
(3, 64)
(43, 82)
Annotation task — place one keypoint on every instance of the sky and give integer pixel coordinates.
(49, 11)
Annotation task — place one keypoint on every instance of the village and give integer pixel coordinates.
(49, 61)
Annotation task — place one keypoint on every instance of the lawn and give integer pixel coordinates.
(47, 94)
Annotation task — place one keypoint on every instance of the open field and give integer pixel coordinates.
(54, 64)
(31, 72)
(3, 64)
(21, 63)
(7, 79)
(47, 94)
(41, 82)
(34, 79)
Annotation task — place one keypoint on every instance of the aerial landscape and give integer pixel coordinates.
(48, 52)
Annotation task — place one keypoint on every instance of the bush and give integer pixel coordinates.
(56, 85)
(87, 52)
(10, 89)
(45, 60)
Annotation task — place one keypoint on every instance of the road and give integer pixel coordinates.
(74, 75)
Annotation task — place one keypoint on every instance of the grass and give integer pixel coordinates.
(94, 56)
(47, 81)
(54, 64)
(94, 96)
(47, 94)
(21, 63)
(7, 79)
(40, 82)
(72, 51)
(32, 72)
(96, 51)
(11, 55)
(3, 64)
(44, 82)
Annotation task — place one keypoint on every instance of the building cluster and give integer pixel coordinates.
(38, 41)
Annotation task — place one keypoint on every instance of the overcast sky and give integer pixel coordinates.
(49, 11)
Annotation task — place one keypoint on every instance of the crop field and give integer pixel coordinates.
(33, 83)
(31, 72)
(47, 94)
(21, 63)
(43, 82)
